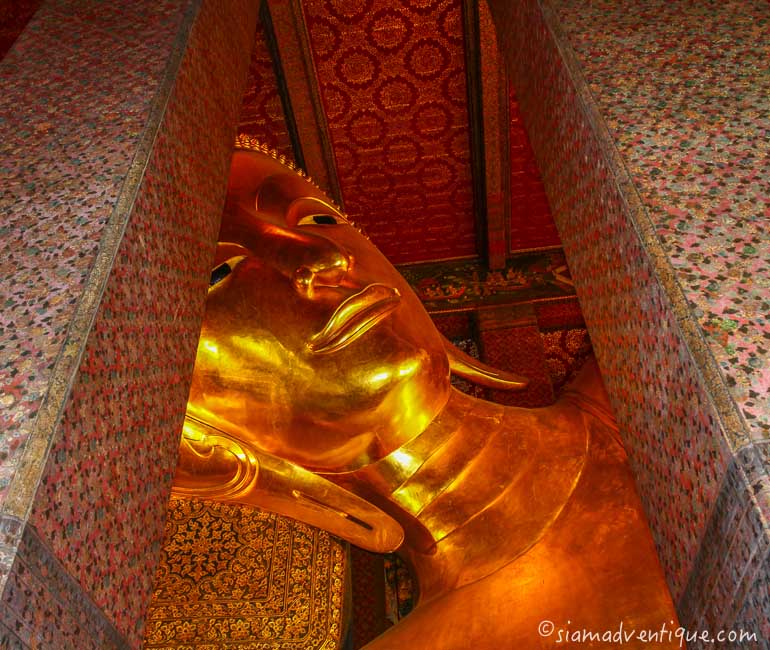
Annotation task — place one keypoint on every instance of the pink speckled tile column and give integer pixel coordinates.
(70, 128)
(116, 130)
(684, 90)
(649, 121)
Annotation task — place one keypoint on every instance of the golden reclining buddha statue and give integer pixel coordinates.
(321, 391)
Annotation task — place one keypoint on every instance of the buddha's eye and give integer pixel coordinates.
(223, 270)
(220, 273)
(320, 219)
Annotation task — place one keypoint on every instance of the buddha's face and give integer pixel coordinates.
(313, 347)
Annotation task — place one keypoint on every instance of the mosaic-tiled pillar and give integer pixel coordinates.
(653, 146)
(116, 129)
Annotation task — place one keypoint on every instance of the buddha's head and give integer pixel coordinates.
(313, 347)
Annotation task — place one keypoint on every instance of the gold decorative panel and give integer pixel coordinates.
(232, 576)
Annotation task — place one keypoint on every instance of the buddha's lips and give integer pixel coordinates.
(354, 317)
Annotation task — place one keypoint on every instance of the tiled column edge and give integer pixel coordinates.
(44, 607)
(734, 548)
(19, 498)
(702, 377)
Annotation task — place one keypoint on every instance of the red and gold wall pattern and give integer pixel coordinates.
(262, 113)
(532, 224)
(392, 80)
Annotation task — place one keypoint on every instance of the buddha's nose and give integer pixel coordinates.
(325, 265)
(308, 259)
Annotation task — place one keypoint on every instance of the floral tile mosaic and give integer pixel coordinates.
(753, 615)
(125, 407)
(44, 607)
(692, 126)
(676, 406)
(63, 164)
(86, 227)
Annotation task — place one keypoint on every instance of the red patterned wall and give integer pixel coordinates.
(532, 225)
(392, 80)
(14, 16)
(262, 112)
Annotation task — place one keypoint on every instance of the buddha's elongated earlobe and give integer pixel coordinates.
(465, 366)
(214, 465)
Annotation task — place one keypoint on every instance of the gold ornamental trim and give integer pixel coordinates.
(237, 577)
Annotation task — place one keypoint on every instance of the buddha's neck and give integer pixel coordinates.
(486, 472)
(468, 456)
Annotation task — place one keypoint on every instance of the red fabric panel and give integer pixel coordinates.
(14, 16)
(561, 314)
(532, 225)
(368, 619)
(392, 80)
(262, 113)
(454, 326)
(520, 350)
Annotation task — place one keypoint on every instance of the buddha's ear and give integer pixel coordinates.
(465, 366)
